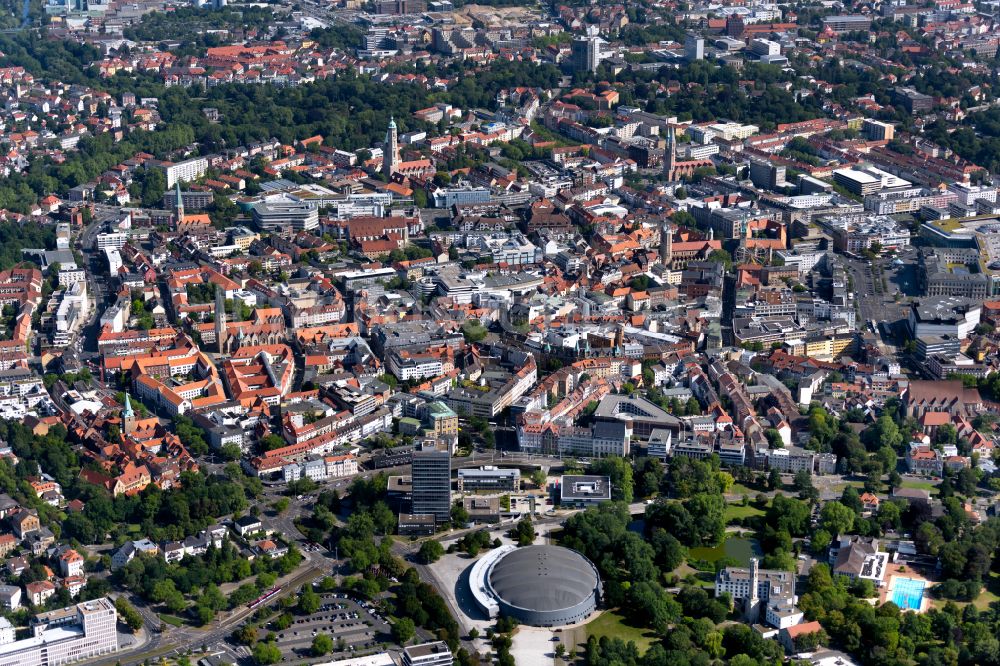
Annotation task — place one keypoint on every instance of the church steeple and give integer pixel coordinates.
(390, 152)
(670, 156)
(128, 416)
(178, 202)
(220, 320)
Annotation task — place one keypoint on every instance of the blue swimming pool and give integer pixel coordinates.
(907, 593)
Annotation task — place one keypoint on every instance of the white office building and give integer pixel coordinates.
(114, 259)
(116, 240)
(70, 273)
(71, 313)
(63, 636)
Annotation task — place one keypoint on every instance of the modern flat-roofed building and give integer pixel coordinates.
(355, 280)
(482, 509)
(428, 654)
(489, 478)
(867, 180)
(953, 316)
(416, 524)
(912, 101)
(298, 216)
(848, 23)
(879, 131)
(584, 490)
(188, 170)
(66, 635)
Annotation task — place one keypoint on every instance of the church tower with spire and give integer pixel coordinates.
(128, 417)
(220, 320)
(670, 157)
(390, 152)
(666, 244)
(178, 203)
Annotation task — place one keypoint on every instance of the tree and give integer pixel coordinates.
(670, 553)
(774, 438)
(458, 514)
(403, 630)
(430, 551)
(271, 442)
(722, 257)
(230, 451)
(620, 472)
(473, 331)
(774, 480)
(247, 634)
(309, 601)
(803, 484)
(203, 614)
(538, 477)
(821, 540)
(850, 498)
(648, 476)
(266, 653)
(884, 432)
(524, 532)
(836, 518)
(128, 614)
(322, 644)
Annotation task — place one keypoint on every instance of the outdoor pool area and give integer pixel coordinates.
(908, 593)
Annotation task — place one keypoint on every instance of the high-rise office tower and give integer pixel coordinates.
(431, 477)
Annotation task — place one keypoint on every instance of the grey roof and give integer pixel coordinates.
(544, 578)
(585, 487)
(614, 406)
(609, 430)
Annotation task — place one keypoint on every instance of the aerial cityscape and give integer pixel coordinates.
(437, 332)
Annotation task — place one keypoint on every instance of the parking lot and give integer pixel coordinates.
(355, 628)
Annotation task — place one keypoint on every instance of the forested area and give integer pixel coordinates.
(15, 237)
(193, 583)
(716, 93)
(193, 26)
(977, 140)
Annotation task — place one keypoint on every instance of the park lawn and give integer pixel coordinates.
(839, 487)
(990, 593)
(740, 489)
(613, 625)
(918, 485)
(172, 620)
(734, 511)
(702, 578)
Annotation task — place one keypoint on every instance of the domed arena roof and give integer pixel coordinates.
(543, 578)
